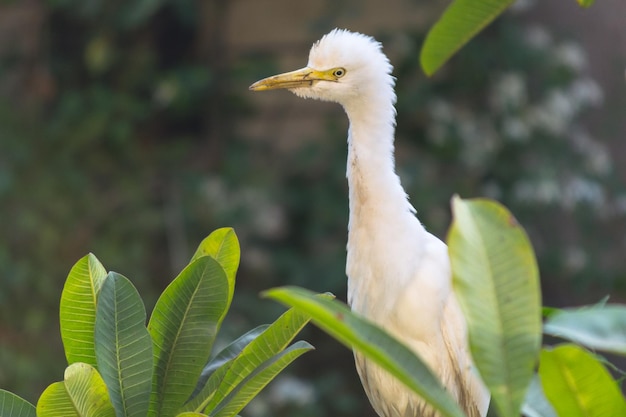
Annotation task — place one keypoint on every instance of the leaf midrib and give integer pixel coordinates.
(177, 338)
(500, 324)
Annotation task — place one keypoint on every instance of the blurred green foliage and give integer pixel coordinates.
(99, 159)
(507, 120)
(119, 135)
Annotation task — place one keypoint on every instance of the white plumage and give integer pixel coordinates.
(398, 273)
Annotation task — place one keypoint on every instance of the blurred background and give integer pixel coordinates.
(127, 130)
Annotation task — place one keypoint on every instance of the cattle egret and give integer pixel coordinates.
(398, 273)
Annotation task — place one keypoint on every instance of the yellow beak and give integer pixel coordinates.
(304, 77)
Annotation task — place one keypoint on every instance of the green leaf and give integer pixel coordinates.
(546, 312)
(536, 404)
(460, 22)
(124, 346)
(371, 341)
(586, 3)
(223, 246)
(88, 391)
(214, 371)
(183, 326)
(81, 394)
(12, 405)
(206, 394)
(56, 402)
(262, 348)
(231, 351)
(600, 328)
(191, 414)
(496, 281)
(78, 309)
(258, 379)
(578, 385)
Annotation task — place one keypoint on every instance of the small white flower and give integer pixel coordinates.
(554, 114)
(560, 105)
(579, 190)
(597, 158)
(543, 191)
(548, 191)
(586, 92)
(509, 92)
(515, 129)
(572, 56)
(538, 37)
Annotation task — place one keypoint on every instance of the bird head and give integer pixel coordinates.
(343, 67)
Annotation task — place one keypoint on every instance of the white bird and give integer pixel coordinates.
(398, 273)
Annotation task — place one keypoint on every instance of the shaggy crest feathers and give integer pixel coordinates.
(351, 48)
(368, 70)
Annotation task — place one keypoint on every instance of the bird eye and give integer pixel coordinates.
(339, 72)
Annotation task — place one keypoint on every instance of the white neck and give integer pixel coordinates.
(382, 221)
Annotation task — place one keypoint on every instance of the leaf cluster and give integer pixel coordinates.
(118, 366)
